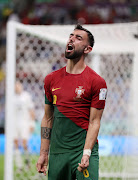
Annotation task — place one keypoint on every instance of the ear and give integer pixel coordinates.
(87, 49)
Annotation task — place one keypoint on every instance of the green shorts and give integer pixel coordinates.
(64, 166)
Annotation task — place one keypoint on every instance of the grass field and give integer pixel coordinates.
(32, 173)
(1, 167)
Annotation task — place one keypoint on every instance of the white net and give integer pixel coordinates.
(40, 50)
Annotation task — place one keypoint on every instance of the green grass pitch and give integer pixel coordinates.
(112, 158)
(1, 167)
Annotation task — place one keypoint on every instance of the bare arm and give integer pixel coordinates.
(32, 114)
(93, 129)
(46, 127)
(92, 133)
(32, 123)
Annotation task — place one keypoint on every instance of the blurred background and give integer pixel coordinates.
(47, 12)
(62, 12)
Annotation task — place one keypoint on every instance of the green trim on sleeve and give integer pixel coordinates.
(47, 101)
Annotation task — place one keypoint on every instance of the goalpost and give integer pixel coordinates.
(35, 51)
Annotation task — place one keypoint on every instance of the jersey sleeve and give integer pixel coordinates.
(99, 89)
(48, 94)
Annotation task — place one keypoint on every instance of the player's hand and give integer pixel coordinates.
(42, 164)
(84, 163)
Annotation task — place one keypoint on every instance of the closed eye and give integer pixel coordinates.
(79, 37)
(76, 36)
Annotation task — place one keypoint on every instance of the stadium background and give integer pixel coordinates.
(42, 12)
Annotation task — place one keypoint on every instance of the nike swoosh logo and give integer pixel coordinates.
(54, 89)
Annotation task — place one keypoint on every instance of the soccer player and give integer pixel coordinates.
(24, 123)
(74, 101)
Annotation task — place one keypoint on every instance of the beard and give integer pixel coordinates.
(74, 55)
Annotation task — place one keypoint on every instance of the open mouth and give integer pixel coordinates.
(69, 48)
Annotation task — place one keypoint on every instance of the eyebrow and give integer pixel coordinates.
(79, 36)
(76, 35)
(71, 34)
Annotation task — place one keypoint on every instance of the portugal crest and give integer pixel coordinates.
(79, 91)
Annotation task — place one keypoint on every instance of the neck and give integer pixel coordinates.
(75, 66)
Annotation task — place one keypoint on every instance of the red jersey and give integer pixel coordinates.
(72, 96)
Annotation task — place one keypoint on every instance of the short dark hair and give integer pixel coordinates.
(90, 36)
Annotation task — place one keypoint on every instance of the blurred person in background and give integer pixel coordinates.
(24, 123)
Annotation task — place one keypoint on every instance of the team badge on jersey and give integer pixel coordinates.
(103, 94)
(79, 91)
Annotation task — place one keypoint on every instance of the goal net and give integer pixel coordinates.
(35, 51)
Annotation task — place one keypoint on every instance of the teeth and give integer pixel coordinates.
(70, 47)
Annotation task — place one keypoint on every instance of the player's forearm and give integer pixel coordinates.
(92, 134)
(32, 114)
(46, 127)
